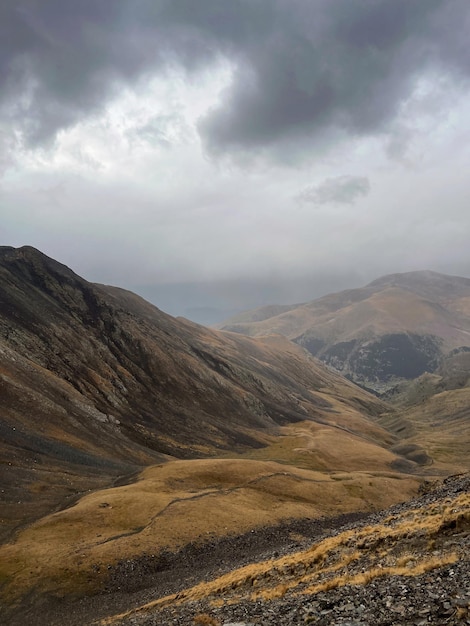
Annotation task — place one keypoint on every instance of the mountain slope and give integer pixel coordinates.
(395, 328)
(370, 573)
(96, 383)
(405, 565)
(242, 433)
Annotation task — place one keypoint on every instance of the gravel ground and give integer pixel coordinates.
(441, 597)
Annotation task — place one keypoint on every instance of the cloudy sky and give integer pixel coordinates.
(228, 152)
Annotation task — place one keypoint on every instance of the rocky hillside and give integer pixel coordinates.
(96, 383)
(396, 328)
(407, 565)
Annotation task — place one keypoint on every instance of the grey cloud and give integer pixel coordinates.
(8, 147)
(399, 143)
(334, 66)
(303, 67)
(338, 190)
(61, 60)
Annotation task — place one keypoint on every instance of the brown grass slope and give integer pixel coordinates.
(397, 327)
(96, 383)
(70, 552)
(407, 541)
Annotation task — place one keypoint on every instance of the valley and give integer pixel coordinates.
(133, 443)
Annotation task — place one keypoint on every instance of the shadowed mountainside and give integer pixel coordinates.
(96, 383)
(396, 328)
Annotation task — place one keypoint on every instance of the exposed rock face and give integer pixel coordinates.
(377, 362)
(396, 328)
(96, 382)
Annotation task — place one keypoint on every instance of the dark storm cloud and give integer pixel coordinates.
(302, 67)
(338, 190)
(338, 66)
(61, 60)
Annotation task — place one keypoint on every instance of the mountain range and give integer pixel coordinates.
(394, 329)
(132, 441)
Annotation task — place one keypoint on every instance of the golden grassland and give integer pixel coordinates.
(308, 470)
(176, 503)
(408, 544)
(442, 426)
(332, 446)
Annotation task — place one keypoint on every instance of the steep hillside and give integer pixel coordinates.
(396, 328)
(96, 383)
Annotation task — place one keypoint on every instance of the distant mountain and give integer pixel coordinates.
(395, 328)
(95, 383)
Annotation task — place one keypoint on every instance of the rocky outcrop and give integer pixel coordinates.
(379, 363)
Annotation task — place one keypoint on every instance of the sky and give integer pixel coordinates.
(216, 155)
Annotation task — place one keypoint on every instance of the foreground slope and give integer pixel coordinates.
(395, 328)
(97, 383)
(408, 565)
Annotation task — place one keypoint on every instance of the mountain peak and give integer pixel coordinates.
(419, 277)
(37, 269)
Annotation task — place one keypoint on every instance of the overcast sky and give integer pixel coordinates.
(299, 145)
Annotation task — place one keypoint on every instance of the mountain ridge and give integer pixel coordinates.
(97, 383)
(395, 328)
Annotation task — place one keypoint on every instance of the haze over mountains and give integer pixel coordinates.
(396, 328)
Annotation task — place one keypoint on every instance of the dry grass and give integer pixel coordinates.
(174, 504)
(396, 547)
(442, 426)
(345, 442)
(364, 578)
